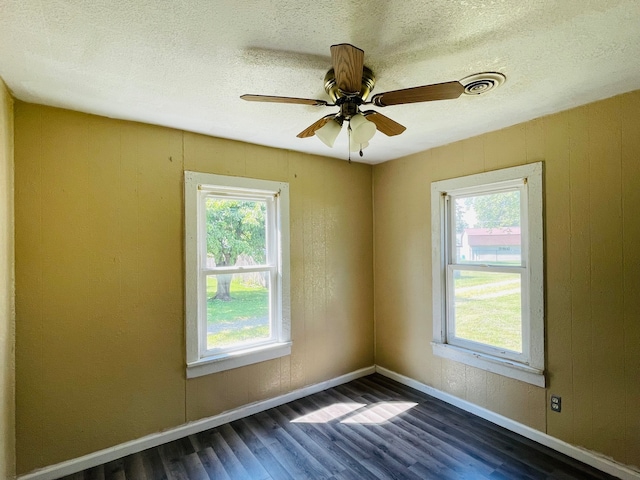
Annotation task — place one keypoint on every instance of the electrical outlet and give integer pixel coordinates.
(556, 403)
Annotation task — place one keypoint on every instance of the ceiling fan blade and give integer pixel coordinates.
(347, 63)
(311, 129)
(426, 93)
(273, 99)
(384, 124)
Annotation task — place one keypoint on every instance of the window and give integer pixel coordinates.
(237, 272)
(488, 294)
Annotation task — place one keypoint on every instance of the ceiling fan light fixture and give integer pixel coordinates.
(329, 132)
(362, 130)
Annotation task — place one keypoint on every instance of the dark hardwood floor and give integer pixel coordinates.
(371, 428)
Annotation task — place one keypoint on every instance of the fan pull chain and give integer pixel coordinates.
(349, 140)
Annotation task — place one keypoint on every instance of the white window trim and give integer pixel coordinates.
(198, 363)
(532, 371)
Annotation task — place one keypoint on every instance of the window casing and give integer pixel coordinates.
(488, 292)
(210, 200)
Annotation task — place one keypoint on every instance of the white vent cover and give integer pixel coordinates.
(480, 83)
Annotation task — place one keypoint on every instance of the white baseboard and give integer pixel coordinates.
(594, 459)
(118, 451)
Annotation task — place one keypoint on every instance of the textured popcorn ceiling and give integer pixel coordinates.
(184, 63)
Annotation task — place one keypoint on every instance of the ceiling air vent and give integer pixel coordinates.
(482, 82)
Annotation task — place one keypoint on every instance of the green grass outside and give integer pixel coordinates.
(247, 302)
(471, 278)
(231, 336)
(489, 313)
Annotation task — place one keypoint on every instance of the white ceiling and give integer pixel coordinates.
(185, 63)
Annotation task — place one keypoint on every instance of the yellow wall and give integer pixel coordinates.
(592, 223)
(99, 279)
(7, 313)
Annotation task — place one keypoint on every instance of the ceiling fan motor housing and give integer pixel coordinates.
(331, 87)
(349, 106)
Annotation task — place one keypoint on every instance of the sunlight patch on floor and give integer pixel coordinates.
(331, 412)
(357, 413)
(379, 413)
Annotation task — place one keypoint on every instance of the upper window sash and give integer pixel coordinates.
(502, 187)
(271, 225)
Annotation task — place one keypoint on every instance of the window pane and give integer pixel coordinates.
(237, 309)
(236, 232)
(487, 229)
(488, 308)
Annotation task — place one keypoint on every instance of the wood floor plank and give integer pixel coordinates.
(230, 462)
(307, 442)
(212, 464)
(176, 449)
(194, 467)
(290, 452)
(195, 443)
(269, 462)
(434, 471)
(251, 464)
(76, 476)
(370, 428)
(154, 469)
(115, 470)
(134, 467)
(292, 461)
(96, 473)
(175, 470)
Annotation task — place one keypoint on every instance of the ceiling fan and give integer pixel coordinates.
(349, 84)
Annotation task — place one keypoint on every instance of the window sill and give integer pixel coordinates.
(507, 368)
(241, 358)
